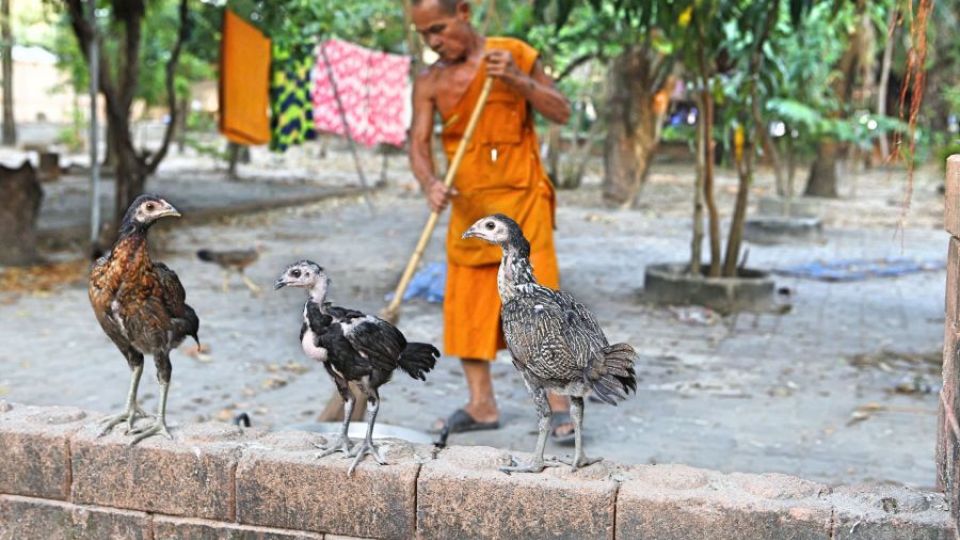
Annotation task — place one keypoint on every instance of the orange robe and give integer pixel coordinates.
(501, 172)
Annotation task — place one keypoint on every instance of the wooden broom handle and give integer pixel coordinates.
(391, 309)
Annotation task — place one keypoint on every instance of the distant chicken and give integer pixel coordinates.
(236, 260)
(354, 347)
(141, 305)
(556, 343)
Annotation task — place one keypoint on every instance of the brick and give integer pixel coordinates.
(170, 528)
(461, 494)
(192, 475)
(24, 518)
(951, 202)
(673, 502)
(280, 483)
(883, 512)
(34, 442)
(952, 291)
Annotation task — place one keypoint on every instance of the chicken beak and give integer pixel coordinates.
(169, 211)
(471, 233)
(279, 284)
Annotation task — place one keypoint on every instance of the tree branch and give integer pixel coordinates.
(574, 64)
(85, 37)
(171, 90)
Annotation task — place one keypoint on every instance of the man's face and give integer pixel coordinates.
(448, 34)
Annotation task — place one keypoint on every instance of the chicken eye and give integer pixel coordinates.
(295, 273)
(150, 207)
(490, 225)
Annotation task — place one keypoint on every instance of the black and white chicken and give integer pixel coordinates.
(556, 342)
(353, 347)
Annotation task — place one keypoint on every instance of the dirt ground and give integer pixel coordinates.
(841, 388)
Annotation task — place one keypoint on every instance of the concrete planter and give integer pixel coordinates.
(672, 284)
(772, 229)
(801, 207)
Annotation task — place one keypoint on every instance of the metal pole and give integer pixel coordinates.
(94, 69)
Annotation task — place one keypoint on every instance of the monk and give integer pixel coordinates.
(500, 172)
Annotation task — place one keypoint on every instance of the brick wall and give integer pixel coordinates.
(214, 481)
(948, 432)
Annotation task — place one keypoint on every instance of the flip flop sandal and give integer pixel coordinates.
(558, 419)
(460, 422)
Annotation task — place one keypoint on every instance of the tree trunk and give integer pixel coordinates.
(822, 181)
(119, 88)
(20, 197)
(131, 175)
(885, 65)
(823, 178)
(9, 126)
(632, 127)
(553, 153)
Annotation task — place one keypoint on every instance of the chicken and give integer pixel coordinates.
(556, 342)
(236, 260)
(353, 347)
(141, 306)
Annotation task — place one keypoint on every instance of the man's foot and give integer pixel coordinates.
(460, 422)
(561, 428)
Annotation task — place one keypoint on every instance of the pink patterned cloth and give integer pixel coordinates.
(374, 88)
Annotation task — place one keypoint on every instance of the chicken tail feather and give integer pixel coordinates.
(418, 358)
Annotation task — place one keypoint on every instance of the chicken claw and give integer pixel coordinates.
(342, 444)
(361, 450)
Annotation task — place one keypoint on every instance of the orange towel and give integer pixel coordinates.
(244, 82)
(500, 172)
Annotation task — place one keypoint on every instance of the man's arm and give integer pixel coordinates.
(421, 137)
(537, 87)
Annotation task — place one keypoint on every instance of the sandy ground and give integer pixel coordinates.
(841, 388)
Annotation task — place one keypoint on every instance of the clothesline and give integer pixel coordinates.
(290, 95)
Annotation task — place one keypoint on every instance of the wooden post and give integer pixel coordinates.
(948, 429)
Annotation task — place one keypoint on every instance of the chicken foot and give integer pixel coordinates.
(159, 426)
(132, 411)
(367, 447)
(538, 463)
(580, 458)
(342, 443)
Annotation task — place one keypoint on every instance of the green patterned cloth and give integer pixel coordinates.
(291, 107)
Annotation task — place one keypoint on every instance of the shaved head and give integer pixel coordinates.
(449, 6)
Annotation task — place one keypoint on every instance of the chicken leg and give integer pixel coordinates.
(342, 444)
(159, 426)
(580, 459)
(254, 288)
(133, 410)
(367, 446)
(538, 463)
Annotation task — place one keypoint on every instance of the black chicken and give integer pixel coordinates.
(354, 347)
(556, 343)
(236, 260)
(141, 307)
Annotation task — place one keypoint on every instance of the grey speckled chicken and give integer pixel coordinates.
(556, 342)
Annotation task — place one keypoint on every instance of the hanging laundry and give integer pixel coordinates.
(244, 82)
(291, 107)
(373, 88)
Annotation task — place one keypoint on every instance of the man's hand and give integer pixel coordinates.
(500, 64)
(438, 196)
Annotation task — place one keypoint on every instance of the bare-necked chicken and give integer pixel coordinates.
(233, 260)
(556, 342)
(353, 347)
(141, 306)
